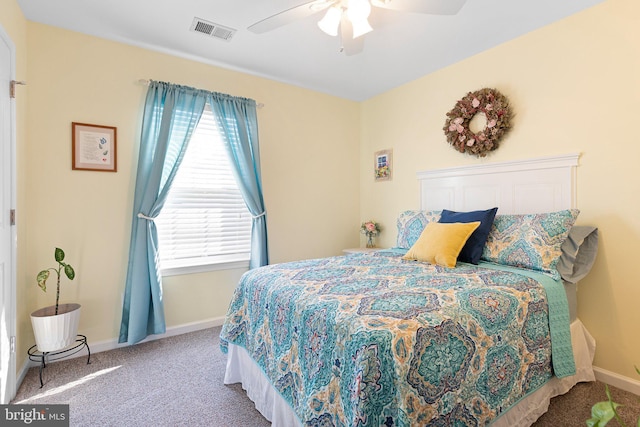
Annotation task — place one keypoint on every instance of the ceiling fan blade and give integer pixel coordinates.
(350, 46)
(433, 7)
(307, 8)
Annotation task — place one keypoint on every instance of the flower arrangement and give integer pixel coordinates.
(495, 107)
(370, 229)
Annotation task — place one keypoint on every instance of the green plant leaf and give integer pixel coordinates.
(59, 254)
(594, 422)
(608, 392)
(68, 270)
(42, 279)
(602, 413)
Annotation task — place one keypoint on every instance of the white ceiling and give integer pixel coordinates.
(402, 47)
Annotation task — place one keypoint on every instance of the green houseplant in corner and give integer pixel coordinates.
(55, 327)
(603, 412)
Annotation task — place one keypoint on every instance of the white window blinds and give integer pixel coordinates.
(204, 220)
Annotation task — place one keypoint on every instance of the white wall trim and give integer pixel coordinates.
(107, 345)
(9, 386)
(617, 380)
(548, 162)
(98, 347)
(26, 364)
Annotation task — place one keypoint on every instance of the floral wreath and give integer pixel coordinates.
(496, 108)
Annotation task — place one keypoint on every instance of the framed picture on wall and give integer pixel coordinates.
(94, 147)
(382, 165)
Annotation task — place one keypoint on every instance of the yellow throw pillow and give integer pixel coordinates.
(441, 243)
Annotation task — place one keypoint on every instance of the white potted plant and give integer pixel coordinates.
(55, 327)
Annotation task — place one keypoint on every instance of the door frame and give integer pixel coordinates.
(8, 311)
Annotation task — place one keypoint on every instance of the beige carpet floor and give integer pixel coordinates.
(177, 381)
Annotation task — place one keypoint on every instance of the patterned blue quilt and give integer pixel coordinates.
(375, 340)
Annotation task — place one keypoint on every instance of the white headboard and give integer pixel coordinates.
(544, 184)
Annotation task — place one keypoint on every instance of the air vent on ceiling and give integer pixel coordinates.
(210, 29)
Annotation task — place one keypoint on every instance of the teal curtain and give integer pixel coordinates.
(238, 119)
(171, 113)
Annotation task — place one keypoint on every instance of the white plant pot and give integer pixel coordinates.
(55, 332)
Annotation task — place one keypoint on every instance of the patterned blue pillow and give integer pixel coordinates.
(410, 225)
(529, 241)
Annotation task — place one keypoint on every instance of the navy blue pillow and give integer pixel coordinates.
(472, 250)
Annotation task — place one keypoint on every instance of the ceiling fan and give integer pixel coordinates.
(350, 17)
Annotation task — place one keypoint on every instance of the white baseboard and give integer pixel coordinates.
(97, 347)
(26, 364)
(617, 380)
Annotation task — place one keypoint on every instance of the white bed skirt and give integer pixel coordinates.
(242, 369)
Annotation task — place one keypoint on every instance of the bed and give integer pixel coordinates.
(386, 339)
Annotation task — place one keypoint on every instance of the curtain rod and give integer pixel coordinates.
(145, 82)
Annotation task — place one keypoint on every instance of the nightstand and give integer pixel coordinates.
(359, 250)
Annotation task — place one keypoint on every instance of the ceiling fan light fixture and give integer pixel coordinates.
(358, 9)
(319, 5)
(360, 27)
(358, 12)
(379, 3)
(331, 21)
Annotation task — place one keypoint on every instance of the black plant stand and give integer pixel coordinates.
(42, 357)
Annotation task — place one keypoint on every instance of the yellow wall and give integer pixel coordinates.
(574, 87)
(312, 209)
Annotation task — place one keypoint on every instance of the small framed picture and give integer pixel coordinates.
(382, 165)
(94, 147)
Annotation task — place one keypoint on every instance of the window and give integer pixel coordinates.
(204, 224)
